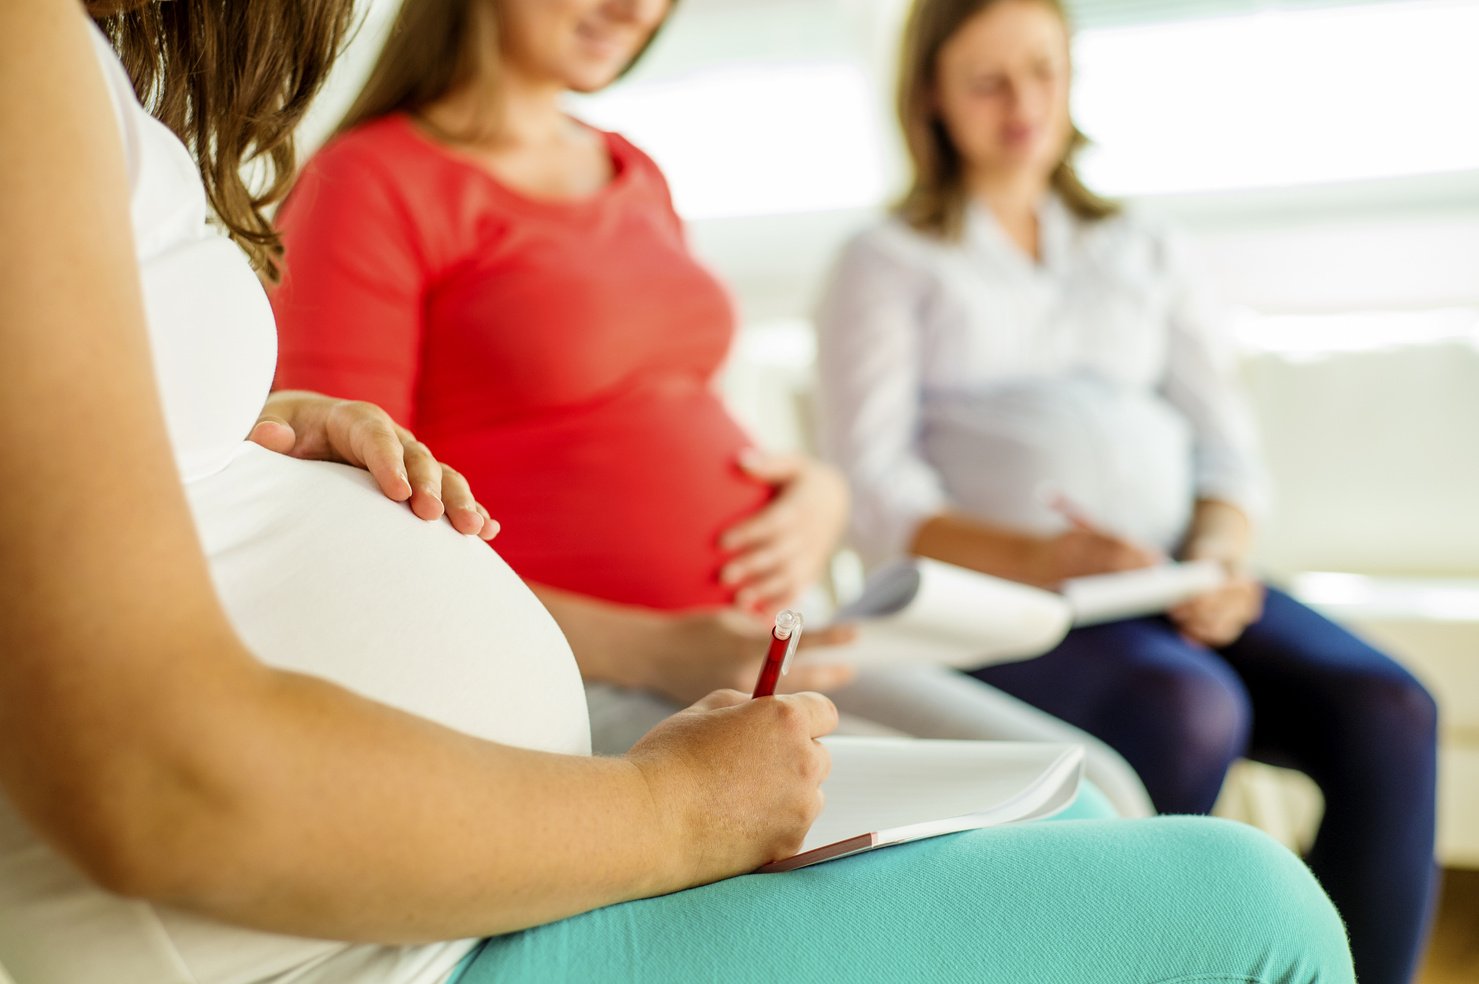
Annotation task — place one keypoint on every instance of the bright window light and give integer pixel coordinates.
(755, 140)
(1421, 599)
(1357, 331)
(1280, 98)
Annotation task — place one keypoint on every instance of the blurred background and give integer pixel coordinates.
(1323, 155)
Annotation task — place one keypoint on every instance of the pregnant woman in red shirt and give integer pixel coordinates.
(515, 287)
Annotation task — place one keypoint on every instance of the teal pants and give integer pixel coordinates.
(1082, 901)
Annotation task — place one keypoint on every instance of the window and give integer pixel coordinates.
(1279, 97)
(756, 139)
(774, 106)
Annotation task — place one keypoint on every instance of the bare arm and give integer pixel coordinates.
(1219, 531)
(139, 736)
(1043, 561)
(966, 542)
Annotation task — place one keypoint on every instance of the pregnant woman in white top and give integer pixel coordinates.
(309, 737)
(1006, 343)
(348, 786)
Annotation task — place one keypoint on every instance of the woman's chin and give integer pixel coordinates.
(594, 76)
(1013, 167)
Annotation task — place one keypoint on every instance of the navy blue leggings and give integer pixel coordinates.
(1296, 690)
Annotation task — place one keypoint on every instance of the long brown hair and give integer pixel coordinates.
(434, 47)
(232, 80)
(936, 200)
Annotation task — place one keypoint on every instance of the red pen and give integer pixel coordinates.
(783, 640)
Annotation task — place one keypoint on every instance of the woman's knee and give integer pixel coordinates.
(1165, 899)
(1397, 704)
(1363, 685)
(1195, 714)
(1263, 899)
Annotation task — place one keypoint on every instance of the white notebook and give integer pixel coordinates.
(925, 611)
(885, 791)
(1131, 594)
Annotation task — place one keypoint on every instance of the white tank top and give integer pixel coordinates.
(319, 573)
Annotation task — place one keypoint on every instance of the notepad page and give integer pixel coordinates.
(1146, 591)
(879, 784)
(929, 612)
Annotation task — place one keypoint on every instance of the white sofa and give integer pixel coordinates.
(1376, 470)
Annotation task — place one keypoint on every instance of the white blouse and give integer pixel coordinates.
(319, 573)
(965, 375)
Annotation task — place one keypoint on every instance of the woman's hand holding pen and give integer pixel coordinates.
(323, 428)
(1078, 552)
(737, 781)
(782, 549)
(1082, 549)
(722, 648)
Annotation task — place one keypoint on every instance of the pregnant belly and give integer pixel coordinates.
(1122, 456)
(322, 574)
(625, 503)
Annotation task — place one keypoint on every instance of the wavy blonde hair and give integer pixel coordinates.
(936, 200)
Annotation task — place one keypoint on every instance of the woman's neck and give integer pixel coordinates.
(502, 108)
(514, 126)
(1013, 199)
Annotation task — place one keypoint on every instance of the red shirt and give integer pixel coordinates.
(560, 354)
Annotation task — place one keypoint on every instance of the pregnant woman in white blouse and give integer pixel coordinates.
(259, 723)
(1022, 378)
